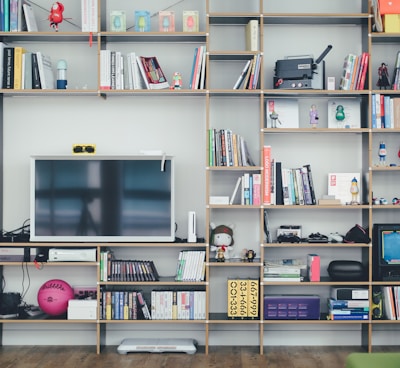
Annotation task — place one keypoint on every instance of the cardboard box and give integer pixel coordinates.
(391, 23)
(389, 7)
(291, 307)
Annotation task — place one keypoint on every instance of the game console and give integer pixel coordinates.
(72, 255)
(192, 238)
(140, 345)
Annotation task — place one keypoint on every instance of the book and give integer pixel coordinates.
(287, 110)
(118, 21)
(313, 267)
(35, 72)
(311, 183)
(89, 15)
(233, 298)
(6, 16)
(267, 175)
(143, 305)
(363, 70)
(8, 68)
(2, 47)
(242, 289)
(344, 113)
(348, 66)
(256, 189)
(15, 8)
(338, 304)
(253, 293)
(18, 52)
(190, 21)
(252, 40)
(166, 21)
(339, 186)
(235, 190)
(197, 66)
(142, 21)
(27, 70)
(353, 317)
(45, 71)
(30, 18)
(152, 73)
(242, 75)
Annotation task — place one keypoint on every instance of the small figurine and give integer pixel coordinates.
(250, 255)
(340, 116)
(274, 119)
(314, 116)
(221, 241)
(383, 77)
(354, 191)
(56, 15)
(177, 81)
(382, 154)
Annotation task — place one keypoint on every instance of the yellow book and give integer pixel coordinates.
(252, 298)
(243, 298)
(18, 51)
(233, 298)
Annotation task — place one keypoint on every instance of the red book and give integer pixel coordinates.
(313, 267)
(267, 174)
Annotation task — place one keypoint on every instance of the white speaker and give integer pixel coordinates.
(192, 227)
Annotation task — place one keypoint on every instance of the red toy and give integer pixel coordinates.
(56, 15)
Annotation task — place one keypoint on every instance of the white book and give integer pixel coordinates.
(142, 72)
(89, 15)
(45, 71)
(105, 69)
(252, 35)
(235, 190)
(242, 75)
(203, 70)
(339, 186)
(30, 18)
(348, 110)
(287, 110)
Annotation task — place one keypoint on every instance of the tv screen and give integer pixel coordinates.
(386, 242)
(94, 198)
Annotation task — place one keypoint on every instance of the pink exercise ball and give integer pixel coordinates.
(53, 297)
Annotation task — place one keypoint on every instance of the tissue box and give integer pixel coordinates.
(389, 7)
(291, 307)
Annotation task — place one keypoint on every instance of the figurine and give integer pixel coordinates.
(274, 119)
(221, 241)
(354, 191)
(177, 81)
(340, 116)
(383, 77)
(314, 116)
(250, 255)
(56, 15)
(382, 154)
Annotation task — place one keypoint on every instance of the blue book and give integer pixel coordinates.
(6, 16)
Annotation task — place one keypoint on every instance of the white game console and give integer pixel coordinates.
(139, 345)
(72, 255)
(192, 238)
(82, 309)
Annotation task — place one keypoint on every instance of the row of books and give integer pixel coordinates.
(13, 14)
(228, 149)
(243, 298)
(126, 270)
(181, 305)
(143, 72)
(190, 266)
(286, 186)
(250, 190)
(123, 305)
(385, 111)
(21, 69)
(198, 74)
(348, 309)
(354, 74)
(249, 77)
(391, 302)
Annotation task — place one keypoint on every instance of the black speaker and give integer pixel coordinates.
(9, 303)
(376, 305)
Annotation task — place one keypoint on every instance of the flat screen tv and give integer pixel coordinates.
(102, 199)
(386, 245)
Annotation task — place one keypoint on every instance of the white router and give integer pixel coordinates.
(139, 345)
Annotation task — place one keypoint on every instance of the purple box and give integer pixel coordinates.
(291, 307)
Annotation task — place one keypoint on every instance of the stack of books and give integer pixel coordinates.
(348, 309)
(284, 270)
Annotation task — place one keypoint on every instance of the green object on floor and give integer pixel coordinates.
(373, 360)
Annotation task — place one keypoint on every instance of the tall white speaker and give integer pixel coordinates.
(192, 227)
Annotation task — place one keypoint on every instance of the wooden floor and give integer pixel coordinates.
(218, 357)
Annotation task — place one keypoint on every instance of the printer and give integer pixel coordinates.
(301, 72)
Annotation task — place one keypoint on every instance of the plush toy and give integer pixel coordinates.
(221, 241)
